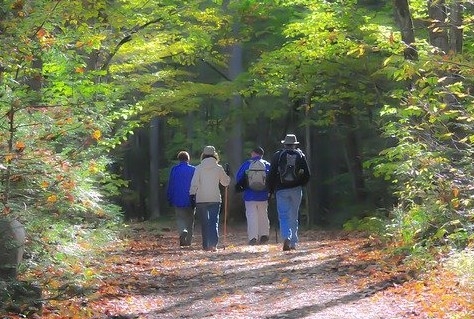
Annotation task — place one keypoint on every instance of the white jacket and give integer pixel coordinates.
(206, 179)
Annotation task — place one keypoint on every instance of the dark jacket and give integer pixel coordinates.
(179, 184)
(273, 179)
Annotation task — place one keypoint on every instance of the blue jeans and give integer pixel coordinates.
(208, 214)
(288, 202)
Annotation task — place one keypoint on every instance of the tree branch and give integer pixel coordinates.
(125, 39)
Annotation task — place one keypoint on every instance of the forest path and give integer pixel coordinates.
(332, 274)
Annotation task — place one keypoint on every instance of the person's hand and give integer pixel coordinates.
(227, 169)
(192, 198)
(239, 188)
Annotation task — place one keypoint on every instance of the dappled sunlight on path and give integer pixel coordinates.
(323, 278)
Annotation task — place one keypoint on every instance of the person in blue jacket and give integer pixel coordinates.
(256, 201)
(179, 184)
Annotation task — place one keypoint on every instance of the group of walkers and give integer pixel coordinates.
(196, 190)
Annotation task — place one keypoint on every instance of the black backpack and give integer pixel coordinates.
(289, 167)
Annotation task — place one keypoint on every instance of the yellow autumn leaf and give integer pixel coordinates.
(44, 184)
(8, 158)
(455, 192)
(52, 198)
(89, 273)
(93, 167)
(96, 135)
(100, 213)
(455, 202)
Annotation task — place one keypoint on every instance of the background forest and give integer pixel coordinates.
(97, 98)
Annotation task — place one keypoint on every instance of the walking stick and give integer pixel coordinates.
(226, 196)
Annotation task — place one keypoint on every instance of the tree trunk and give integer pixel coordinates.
(456, 32)
(135, 171)
(308, 142)
(404, 20)
(437, 30)
(324, 168)
(353, 156)
(234, 145)
(446, 34)
(154, 204)
(12, 241)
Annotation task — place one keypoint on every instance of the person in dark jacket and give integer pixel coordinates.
(178, 196)
(289, 172)
(256, 201)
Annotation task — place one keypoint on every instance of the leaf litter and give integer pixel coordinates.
(332, 274)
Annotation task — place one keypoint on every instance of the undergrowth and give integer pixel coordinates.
(58, 258)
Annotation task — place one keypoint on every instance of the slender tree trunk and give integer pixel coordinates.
(437, 11)
(353, 157)
(446, 34)
(456, 32)
(445, 25)
(308, 143)
(154, 204)
(234, 145)
(325, 162)
(136, 168)
(404, 20)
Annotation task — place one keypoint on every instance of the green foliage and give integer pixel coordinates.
(430, 162)
(55, 105)
(462, 263)
(371, 225)
(60, 251)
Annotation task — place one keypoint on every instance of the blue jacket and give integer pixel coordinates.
(179, 183)
(249, 194)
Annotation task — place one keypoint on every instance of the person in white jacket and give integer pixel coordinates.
(206, 196)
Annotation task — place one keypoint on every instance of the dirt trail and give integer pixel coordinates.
(325, 278)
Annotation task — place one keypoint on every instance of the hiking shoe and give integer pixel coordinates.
(188, 241)
(286, 245)
(183, 238)
(263, 240)
(253, 242)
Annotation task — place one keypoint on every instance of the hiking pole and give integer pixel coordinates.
(226, 196)
(277, 222)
